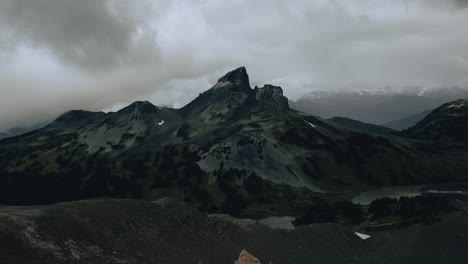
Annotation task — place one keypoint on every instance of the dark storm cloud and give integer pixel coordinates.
(449, 4)
(95, 54)
(90, 33)
(463, 3)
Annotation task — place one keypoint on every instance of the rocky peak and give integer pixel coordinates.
(236, 80)
(272, 95)
(449, 121)
(452, 110)
(142, 107)
(139, 110)
(238, 76)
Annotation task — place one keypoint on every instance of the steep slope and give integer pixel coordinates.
(449, 122)
(231, 148)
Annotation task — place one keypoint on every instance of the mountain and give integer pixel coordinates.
(407, 122)
(233, 149)
(449, 122)
(376, 106)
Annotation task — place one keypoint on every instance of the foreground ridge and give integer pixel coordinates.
(167, 231)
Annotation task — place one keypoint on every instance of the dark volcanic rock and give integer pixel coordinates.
(239, 77)
(272, 95)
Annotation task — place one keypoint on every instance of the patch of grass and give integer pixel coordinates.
(216, 194)
(164, 192)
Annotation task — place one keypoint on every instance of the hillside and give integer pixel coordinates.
(448, 122)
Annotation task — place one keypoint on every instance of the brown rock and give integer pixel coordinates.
(246, 258)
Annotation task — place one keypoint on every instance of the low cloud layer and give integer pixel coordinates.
(103, 54)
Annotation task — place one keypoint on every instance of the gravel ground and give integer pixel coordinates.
(167, 231)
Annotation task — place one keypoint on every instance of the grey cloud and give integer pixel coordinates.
(89, 33)
(463, 3)
(449, 4)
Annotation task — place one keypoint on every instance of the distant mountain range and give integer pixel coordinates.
(231, 150)
(381, 107)
(407, 122)
(20, 130)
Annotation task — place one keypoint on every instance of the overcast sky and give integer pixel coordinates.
(58, 55)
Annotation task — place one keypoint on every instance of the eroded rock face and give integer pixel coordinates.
(237, 80)
(272, 95)
(246, 258)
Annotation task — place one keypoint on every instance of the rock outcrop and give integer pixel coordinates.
(246, 258)
(272, 95)
(236, 80)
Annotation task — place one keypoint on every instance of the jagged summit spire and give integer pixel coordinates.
(237, 77)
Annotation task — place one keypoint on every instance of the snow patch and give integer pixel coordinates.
(457, 106)
(362, 236)
(161, 123)
(312, 125)
(447, 192)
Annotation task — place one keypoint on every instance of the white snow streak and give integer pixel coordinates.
(362, 236)
(312, 125)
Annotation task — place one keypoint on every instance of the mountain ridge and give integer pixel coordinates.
(376, 107)
(447, 122)
(231, 149)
